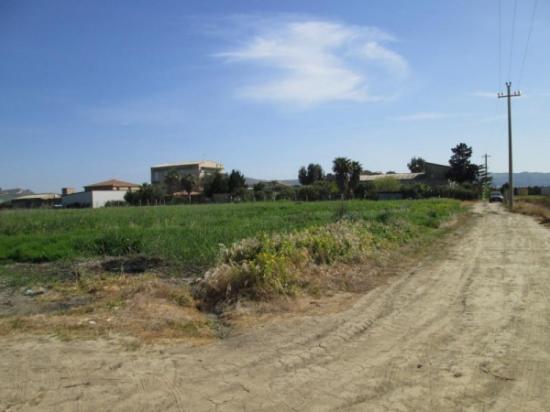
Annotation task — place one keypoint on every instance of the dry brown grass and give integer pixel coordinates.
(536, 209)
(145, 306)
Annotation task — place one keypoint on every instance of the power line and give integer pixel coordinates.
(528, 40)
(512, 43)
(499, 42)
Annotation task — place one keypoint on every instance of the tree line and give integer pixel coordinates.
(175, 184)
(343, 181)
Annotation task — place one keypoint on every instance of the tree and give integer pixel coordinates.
(146, 194)
(216, 183)
(172, 180)
(341, 166)
(188, 184)
(416, 165)
(355, 175)
(236, 182)
(462, 170)
(315, 172)
(312, 174)
(303, 178)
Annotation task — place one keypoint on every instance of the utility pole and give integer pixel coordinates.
(486, 170)
(486, 177)
(509, 96)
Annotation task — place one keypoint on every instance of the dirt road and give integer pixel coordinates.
(468, 332)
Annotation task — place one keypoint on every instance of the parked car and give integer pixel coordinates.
(496, 197)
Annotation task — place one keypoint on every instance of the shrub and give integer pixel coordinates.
(269, 265)
(387, 184)
(117, 243)
(116, 203)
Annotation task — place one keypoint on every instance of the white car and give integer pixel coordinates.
(496, 197)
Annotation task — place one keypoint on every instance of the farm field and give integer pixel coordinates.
(162, 272)
(185, 235)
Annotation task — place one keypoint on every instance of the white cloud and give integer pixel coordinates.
(317, 61)
(392, 60)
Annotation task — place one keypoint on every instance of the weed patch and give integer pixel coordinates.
(281, 264)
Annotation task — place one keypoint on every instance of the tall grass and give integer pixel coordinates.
(185, 235)
(538, 206)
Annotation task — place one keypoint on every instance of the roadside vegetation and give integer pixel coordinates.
(537, 206)
(269, 265)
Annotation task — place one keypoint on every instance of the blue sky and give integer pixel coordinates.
(100, 89)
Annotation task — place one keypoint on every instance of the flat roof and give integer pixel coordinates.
(397, 176)
(43, 196)
(201, 163)
(437, 164)
(113, 183)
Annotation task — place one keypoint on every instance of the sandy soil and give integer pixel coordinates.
(467, 331)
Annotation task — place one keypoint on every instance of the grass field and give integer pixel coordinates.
(252, 252)
(184, 235)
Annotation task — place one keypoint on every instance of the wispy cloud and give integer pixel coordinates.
(423, 116)
(313, 61)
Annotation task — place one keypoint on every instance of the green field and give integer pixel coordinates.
(187, 235)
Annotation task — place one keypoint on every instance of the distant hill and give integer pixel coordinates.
(9, 194)
(523, 179)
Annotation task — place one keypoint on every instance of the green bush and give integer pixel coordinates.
(117, 244)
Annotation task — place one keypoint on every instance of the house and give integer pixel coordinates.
(99, 194)
(199, 169)
(36, 200)
(112, 185)
(434, 174)
(521, 191)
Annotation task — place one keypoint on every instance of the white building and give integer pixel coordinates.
(94, 198)
(98, 194)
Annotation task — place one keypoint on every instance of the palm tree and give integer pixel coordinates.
(172, 180)
(341, 166)
(188, 183)
(355, 175)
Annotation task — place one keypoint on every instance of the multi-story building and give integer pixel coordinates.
(198, 169)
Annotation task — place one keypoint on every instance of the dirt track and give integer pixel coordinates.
(467, 332)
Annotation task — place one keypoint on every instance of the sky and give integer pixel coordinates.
(93, 90)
